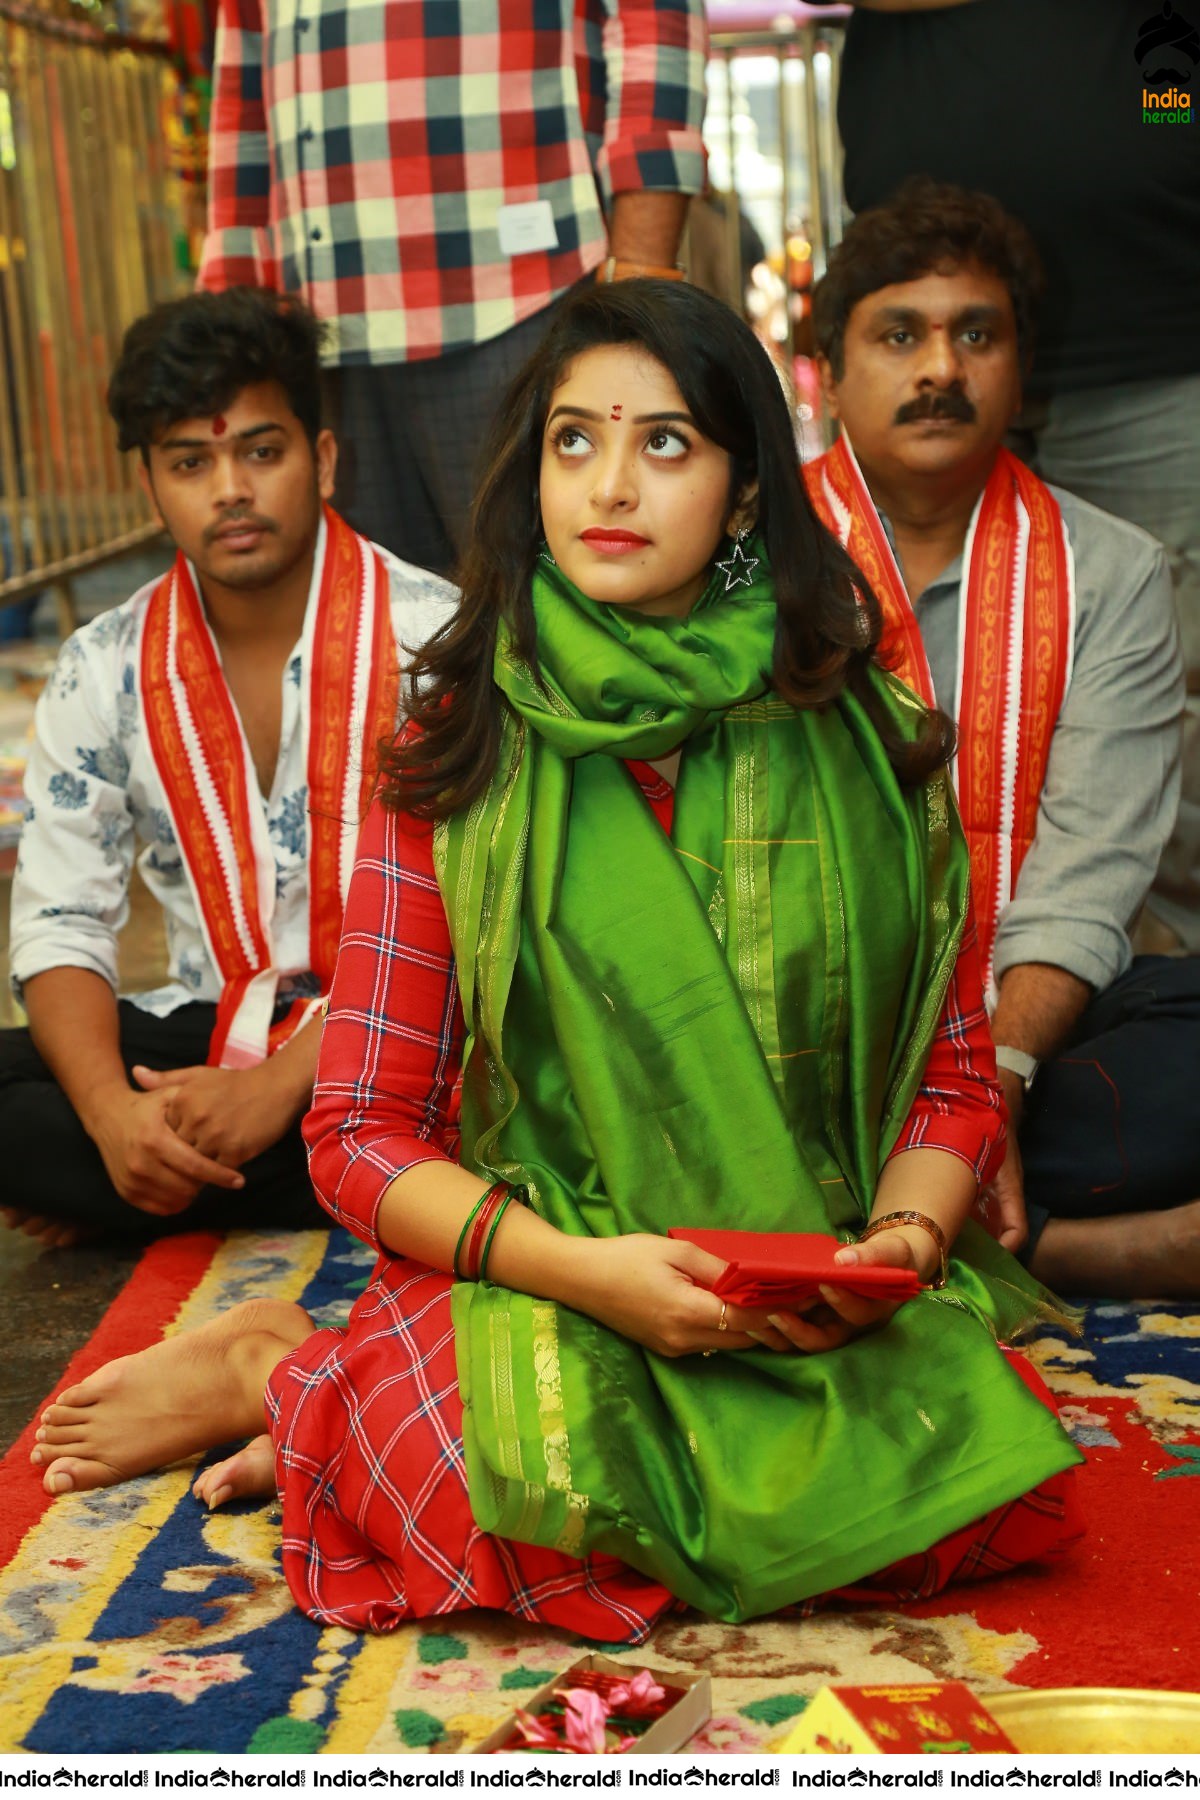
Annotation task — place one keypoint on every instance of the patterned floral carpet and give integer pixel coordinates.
(131, 1619)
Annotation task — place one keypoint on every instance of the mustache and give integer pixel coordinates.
(242, 518)
(947, 403)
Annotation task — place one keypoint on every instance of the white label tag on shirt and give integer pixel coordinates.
(528, 226)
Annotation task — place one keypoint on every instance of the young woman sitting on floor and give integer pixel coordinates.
(661, 920)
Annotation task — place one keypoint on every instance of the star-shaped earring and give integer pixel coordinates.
(738, 569)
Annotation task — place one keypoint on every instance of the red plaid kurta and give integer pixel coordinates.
(367, 1422)
(360, 152)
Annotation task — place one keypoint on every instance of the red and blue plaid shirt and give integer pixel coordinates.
(361, 152)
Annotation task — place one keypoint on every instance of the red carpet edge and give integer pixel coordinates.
(151, 1298)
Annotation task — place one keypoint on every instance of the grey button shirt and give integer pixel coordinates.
(1112, 781)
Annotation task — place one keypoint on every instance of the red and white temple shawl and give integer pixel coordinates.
(1016, 636)
(204, 764)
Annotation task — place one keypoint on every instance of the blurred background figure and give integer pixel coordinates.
(710, 264)
(776, 164)
(431, 191)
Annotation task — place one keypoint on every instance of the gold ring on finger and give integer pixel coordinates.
(722, 1322)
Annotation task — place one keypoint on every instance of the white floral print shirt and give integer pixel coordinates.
(97, 804)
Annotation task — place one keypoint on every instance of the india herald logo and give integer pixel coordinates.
(1167, 51)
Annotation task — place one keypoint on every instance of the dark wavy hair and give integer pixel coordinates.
(825, 633)
(190, 358)
(926, 226)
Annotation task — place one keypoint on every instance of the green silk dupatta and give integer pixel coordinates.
(724, 1027)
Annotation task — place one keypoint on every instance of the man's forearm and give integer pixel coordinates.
(74, 1024)
(1037, 1008)
(645, 227)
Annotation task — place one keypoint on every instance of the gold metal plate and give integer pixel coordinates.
(1078, 1721)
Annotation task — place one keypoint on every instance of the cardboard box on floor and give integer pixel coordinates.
(912, 1718)
(681, 1722)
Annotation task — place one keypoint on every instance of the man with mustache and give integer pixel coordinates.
(1045, 627)
(1047, 107)
(227, 716)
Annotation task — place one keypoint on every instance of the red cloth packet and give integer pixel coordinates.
(784, 1268)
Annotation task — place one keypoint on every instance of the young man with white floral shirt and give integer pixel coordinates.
(226, 718)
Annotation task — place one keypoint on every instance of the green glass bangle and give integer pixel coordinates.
(471, 1217)
(487, 1242)
(520, 1194)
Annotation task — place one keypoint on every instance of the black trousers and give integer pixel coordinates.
(1112, 1123)
(51, 1166)
(410, 438)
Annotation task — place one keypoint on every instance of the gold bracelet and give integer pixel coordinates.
(913, 1218)
(614, 268)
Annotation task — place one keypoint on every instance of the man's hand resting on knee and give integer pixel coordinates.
(74, 1021)
(231, 1115)
(149, 1163)
(191, 1128)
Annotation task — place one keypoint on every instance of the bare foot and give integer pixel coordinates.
(186, 1394)
(1137, 1256)
(249, 1474)
(51, 1234)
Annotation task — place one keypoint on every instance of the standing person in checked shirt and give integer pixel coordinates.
(431, 190)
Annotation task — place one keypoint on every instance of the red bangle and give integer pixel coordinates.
(495, 1197)
(464, 1267)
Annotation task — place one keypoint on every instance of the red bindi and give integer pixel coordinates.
(219, 427)
(616, 413)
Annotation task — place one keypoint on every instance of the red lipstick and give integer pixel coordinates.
(613, 542)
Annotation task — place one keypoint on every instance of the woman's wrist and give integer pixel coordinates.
(926, 1184)
(926, 1257)
(924, 1236)
(578, 1273)
(532, 1256)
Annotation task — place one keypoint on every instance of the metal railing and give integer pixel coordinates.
(805, 158)
(91, 215)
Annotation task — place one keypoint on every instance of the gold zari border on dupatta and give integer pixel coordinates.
(500, 1364)
(509, 1466)
(552, 1421)
(749, 854)
(745, 883)
(498, 929)
(498, 934)
(718, 912)
(498, 1477)
(556, 1443)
